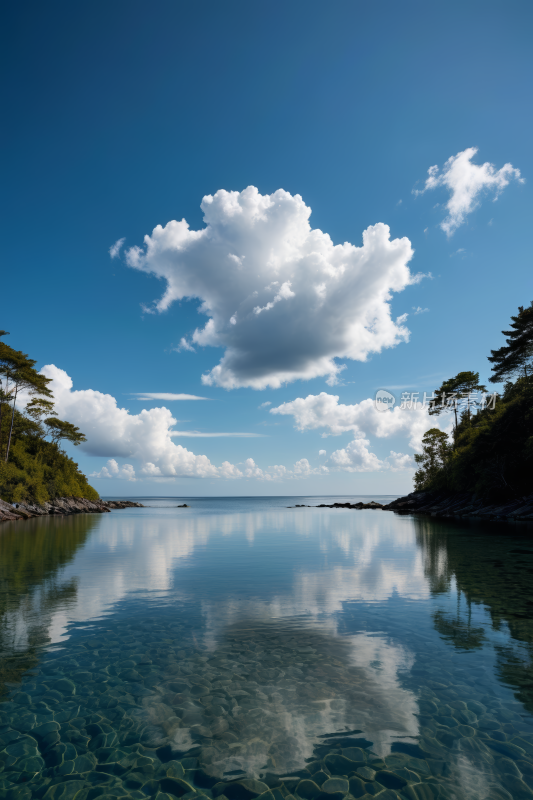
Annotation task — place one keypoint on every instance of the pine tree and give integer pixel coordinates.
(515, 358)
(33, 469)
(58, 430)
(458, 391)
(17, 373)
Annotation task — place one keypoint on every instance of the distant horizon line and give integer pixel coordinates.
(233, 496)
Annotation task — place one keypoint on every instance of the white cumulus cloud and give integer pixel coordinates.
(467, 182)
(324, 411)
(291, 302)
(363, 419)
(112, 470)
(399, 461)
(284, 293)
(356, 457)
(114, 433)
(301, 469)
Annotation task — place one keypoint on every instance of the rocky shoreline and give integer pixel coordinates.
(61, 506)
(435, 504)
(441, 504)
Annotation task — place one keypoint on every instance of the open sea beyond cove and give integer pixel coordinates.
(240, 649)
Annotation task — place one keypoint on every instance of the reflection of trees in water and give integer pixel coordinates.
(31, 554)
(490, 568)
(454, 629)
(435, 555)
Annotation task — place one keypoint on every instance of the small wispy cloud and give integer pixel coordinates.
(399, 202)
(426, 230)
(115, 249)
(169, 396)
(211, 435)
(457, 252)
(466, 183)
(321, 452)
(420, 277)
(265, 404)
(419, 310)
(185, 345)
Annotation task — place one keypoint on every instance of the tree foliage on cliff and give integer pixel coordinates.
(436, 452)
(31, 467)
(455, 392)
(515, 358)
(493, 448)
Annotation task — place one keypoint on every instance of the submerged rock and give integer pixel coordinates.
(271, 711)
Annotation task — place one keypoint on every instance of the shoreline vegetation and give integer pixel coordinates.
(490, 455)
(33, 467)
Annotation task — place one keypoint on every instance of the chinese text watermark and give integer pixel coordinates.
(451, 401)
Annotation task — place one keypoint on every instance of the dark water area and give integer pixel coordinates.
(238, 649)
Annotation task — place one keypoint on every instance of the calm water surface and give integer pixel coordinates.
(238, 648)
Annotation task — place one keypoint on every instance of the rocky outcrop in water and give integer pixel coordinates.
(61, 506)
(441, 504)
(355, 506)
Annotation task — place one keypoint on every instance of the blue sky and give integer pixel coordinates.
(122, 116)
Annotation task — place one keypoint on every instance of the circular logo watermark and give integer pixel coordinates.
(384, 400)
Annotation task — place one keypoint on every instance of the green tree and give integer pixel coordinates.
(8, 364)
(37, 470)
(18, 372)
(38, 407)
(515, 358)
(436, 453)
(493, 448)
(58, 429)
(457, 392)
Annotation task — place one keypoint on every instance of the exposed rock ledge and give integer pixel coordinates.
(440, 504)
(61, 506)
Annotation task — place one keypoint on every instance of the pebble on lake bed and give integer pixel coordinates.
(271, 711)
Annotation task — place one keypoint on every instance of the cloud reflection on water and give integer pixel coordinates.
(332, 558)
(286, 567)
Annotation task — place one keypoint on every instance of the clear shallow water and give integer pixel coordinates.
(161, 651)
